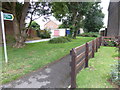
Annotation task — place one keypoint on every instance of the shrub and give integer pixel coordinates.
(115, 74)
(111, 43)
(60, 40)
(90, 34)
(45, 34)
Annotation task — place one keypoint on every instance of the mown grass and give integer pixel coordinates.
(34, 56)
(98, 73)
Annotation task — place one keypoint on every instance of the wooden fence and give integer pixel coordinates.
(80, 57)
(105, 39)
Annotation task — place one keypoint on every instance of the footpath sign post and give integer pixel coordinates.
(5, 16)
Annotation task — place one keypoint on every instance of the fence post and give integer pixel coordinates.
(86, 55)
(93, 48)
(100, 41)
(73, 69)
(96, 44)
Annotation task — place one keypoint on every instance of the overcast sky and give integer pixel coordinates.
(105, 4)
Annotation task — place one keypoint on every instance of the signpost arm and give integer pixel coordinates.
(4, 39)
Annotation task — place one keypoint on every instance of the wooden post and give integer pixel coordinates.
(86, 55)
(93, 48)
(100, 41)
(73, 69)
(96, 44)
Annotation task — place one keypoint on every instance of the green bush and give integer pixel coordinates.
(115, 74)
(45, 34)
(90, 34)
(60, 40)
(111, 43)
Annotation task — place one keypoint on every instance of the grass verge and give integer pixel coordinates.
(98, 73)
(34, 56)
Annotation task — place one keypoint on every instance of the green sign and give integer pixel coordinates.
(8, 16)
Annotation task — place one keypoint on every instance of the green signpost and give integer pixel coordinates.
(8, 16)
(5, 16)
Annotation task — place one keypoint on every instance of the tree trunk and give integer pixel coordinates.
(19, 26)
(18, 35)
(75, 34)
(24, 14)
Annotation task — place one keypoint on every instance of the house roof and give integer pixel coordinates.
(51, 21)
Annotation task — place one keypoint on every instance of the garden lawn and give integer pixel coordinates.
(98, 73)
(34, 56)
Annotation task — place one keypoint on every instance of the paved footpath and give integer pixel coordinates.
(56, 75)
(35, 41)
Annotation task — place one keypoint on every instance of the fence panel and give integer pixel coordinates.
(80, 57)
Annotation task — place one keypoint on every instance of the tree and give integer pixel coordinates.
(21, 11)
(37, 10)
(35, 25)
(71, 14)
(94, 19)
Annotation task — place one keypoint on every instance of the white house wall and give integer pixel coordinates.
(52, 33)
(81, 30)
(62, 32)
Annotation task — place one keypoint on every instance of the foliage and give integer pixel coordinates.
(34, 56)
(115, 73)
(37, 10)
(71, 14)
(45, 34)
(62, 26)
(118, 46)
(90, 34)
(35, 25)
(60, 40)
(110, 43)
(94, 19)
(21, 11)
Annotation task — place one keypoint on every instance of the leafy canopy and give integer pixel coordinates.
(35, 25)
(94, 19)
(71, 14)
